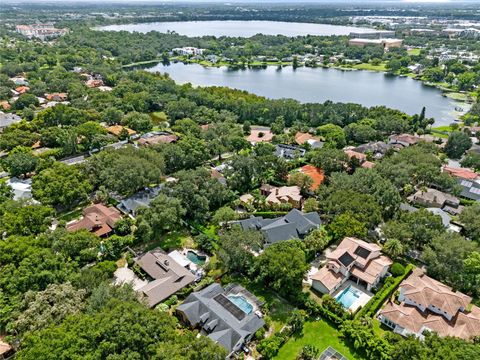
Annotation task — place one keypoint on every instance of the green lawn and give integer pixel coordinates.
(371, 67)
(319, 334)
(414, 52)
(171, 241)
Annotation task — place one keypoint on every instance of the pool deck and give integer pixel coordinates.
(361, 301)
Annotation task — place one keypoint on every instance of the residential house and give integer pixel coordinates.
(165, 274)
(462, 173)
(387, 44)
(282, 195)
(470, 189)
(354, 260)
(19, 81)
(316, 174)
(97, 219)
(433, 198)
(157, 137)
(117, 130)
(6, 350)
(8, 119)
(294, 225)
(22, 89)
(215, 174)
(404, 140)
(22, 189)
(446, 219)
(229, 316)
(362, 158)
(377, 149)
(260, 135)
(56, 97)
(5, 105)
(94, 83)
(289, 152)
(306, 138)
(427, 304)
(141, 199)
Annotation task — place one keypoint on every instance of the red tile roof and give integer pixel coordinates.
(315, 173)
(463, 173)
(98, 219)
(22, 89)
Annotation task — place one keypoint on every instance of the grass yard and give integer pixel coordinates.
(319, 334)
(370, 67)
(171, 241)
(413, 52)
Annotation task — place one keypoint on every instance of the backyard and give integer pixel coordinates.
(319, 334)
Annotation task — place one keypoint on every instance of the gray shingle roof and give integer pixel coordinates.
(295, 224)
(143, 198)
(201, 309)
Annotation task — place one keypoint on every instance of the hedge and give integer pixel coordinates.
(376, 302)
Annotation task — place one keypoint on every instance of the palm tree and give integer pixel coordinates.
(394, 248)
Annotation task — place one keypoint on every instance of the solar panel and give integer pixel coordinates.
(346, 259)
(230, 306)
(362, 252)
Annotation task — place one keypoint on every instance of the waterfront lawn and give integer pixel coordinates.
(319, 334)
(371, 67)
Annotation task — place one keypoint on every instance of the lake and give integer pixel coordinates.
(236, 28)
(319, 84)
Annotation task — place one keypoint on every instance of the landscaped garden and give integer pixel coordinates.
(319, 334)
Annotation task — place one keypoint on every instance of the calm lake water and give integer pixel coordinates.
(238, 28)
(319, 84)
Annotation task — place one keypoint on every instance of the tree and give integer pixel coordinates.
(296, 321)
(164, 214)
(434, 74)
(101, 335)
(393, 65)
(247, 128)
(25, 101)
(19, 218)
(303, 181)
(308, 352)
(138, 122)
(361, 206)
(50, 306)
(472, 270)
(470, 218)
(61, 185)
(223, 215)
(281, 266)
(329, 160)
(394, 248)
(414, 230)
(317, 240)
(278, 125)
(310, 205)
(236, 248)
(334, 136)
(126, 170)
(6, 193)
(471, 160)
(20, 163)
(445, 259)
(347, 225)
(457, 143)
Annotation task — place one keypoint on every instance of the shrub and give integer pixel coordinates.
(397, 269)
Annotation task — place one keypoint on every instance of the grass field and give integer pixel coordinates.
(371, 67)
(414, 52)
(319, 334)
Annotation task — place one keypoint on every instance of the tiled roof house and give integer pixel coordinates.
(98, 219)
(353, 259)
(427, 304)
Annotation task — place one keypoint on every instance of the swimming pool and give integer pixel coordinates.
(242, 303)
(195, 258)
(348, 297)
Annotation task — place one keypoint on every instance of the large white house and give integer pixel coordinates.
(354, 260)
(427, 304)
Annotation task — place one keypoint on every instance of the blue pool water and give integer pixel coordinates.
(242, 303)
(195, 258)
(348, 296)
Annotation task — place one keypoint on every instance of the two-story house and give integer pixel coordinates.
(354, 260)
(427, 304)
